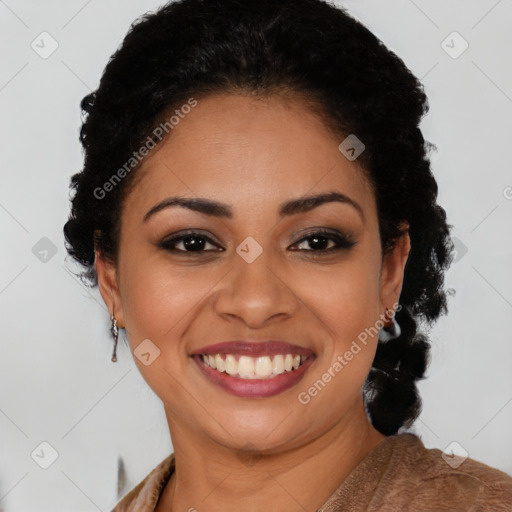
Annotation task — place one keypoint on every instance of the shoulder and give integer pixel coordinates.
(443, 482)
(144, 496)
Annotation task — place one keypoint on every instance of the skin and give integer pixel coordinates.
(254, 154)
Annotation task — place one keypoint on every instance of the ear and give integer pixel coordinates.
(392, 271)
(108, 285)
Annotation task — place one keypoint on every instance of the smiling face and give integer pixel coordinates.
(252, 267)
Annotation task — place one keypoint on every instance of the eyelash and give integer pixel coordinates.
(342, 241)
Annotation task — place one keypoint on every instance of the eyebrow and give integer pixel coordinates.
(222, 210)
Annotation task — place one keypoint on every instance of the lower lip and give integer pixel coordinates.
(254, 388)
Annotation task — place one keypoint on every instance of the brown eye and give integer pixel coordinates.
(319, 241)
(190, 242)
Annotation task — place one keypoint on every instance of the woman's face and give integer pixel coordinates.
(255, 270)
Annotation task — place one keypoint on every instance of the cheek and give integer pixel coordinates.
(345, 299)
(158, 301)
(159, 304)
(346, 306)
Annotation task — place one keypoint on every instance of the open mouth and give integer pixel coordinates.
(260, 367)
(254, 369)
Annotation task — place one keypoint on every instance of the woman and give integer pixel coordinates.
(258, 211)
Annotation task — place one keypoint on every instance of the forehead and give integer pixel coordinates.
(250, 152)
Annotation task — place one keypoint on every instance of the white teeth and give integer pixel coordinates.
(263, 367)
(231, 365)
(246, 367)
(278, 364)
(219, 363)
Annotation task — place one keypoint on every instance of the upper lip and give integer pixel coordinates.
(254, 348)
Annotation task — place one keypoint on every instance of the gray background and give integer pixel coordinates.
(57, 382)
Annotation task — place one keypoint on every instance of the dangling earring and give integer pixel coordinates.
(390, 332)
(115, 333)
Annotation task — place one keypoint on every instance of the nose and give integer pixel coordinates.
(256, 293)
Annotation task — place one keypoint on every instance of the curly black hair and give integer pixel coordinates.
(307, 48)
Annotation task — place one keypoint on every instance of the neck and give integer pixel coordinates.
(212, 477)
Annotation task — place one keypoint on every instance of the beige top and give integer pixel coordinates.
(399, 474)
